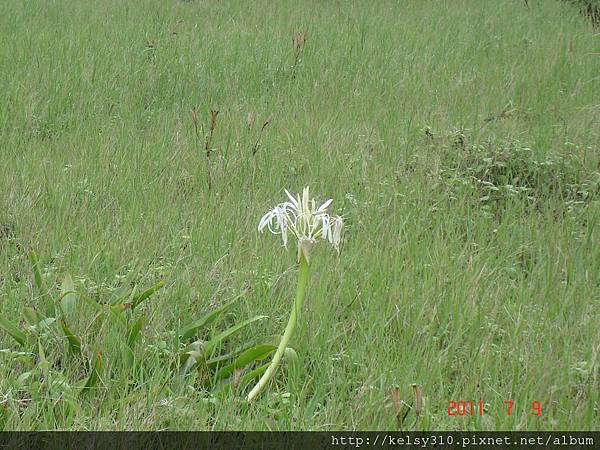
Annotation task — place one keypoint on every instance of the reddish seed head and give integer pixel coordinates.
(418, 399)
(213, 119)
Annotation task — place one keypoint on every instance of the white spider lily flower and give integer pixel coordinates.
(301, 218)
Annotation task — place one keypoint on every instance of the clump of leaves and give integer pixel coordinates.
(590, 9)
(47, 343)
(62, 353)
(204, 361)
(508, 170)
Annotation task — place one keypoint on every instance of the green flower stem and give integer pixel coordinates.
(294, 316)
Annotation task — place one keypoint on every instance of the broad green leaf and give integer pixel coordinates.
(39, 283)
(124, 294)
(191, 329)
(193, 359)
(67, 303)
(212, 344)
(35, 267)
(60, 384)
(127, 356)
(32, 316)
(13, 331)
(35, 390)
(97, 307)
(134, 331)
(73, 341)
(196, 346)
(227, 387)
(219, 360)
(256, 353)
(50, 308)
(116, 313)
(95, 370)
(44, 323)
(21, 379)
(137, 299)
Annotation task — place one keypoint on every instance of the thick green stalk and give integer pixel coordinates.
(294, 316)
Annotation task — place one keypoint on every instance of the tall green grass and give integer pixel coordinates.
(459, 139)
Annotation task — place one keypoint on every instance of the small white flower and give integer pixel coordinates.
(301, 218)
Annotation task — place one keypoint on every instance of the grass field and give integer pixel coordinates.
(459, 140)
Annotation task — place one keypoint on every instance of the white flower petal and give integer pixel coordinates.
(326, 229)
(265, 220)
(305, 200)
(294, 201)
(338, 225)
(324, 206)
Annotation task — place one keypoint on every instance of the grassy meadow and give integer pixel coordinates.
(459, 140)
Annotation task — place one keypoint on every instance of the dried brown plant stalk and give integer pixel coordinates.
(418, 400)
(207, 138)
(298, 41)
(213, 124)
(256, 145)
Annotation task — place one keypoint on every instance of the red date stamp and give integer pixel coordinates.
(476, 408)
